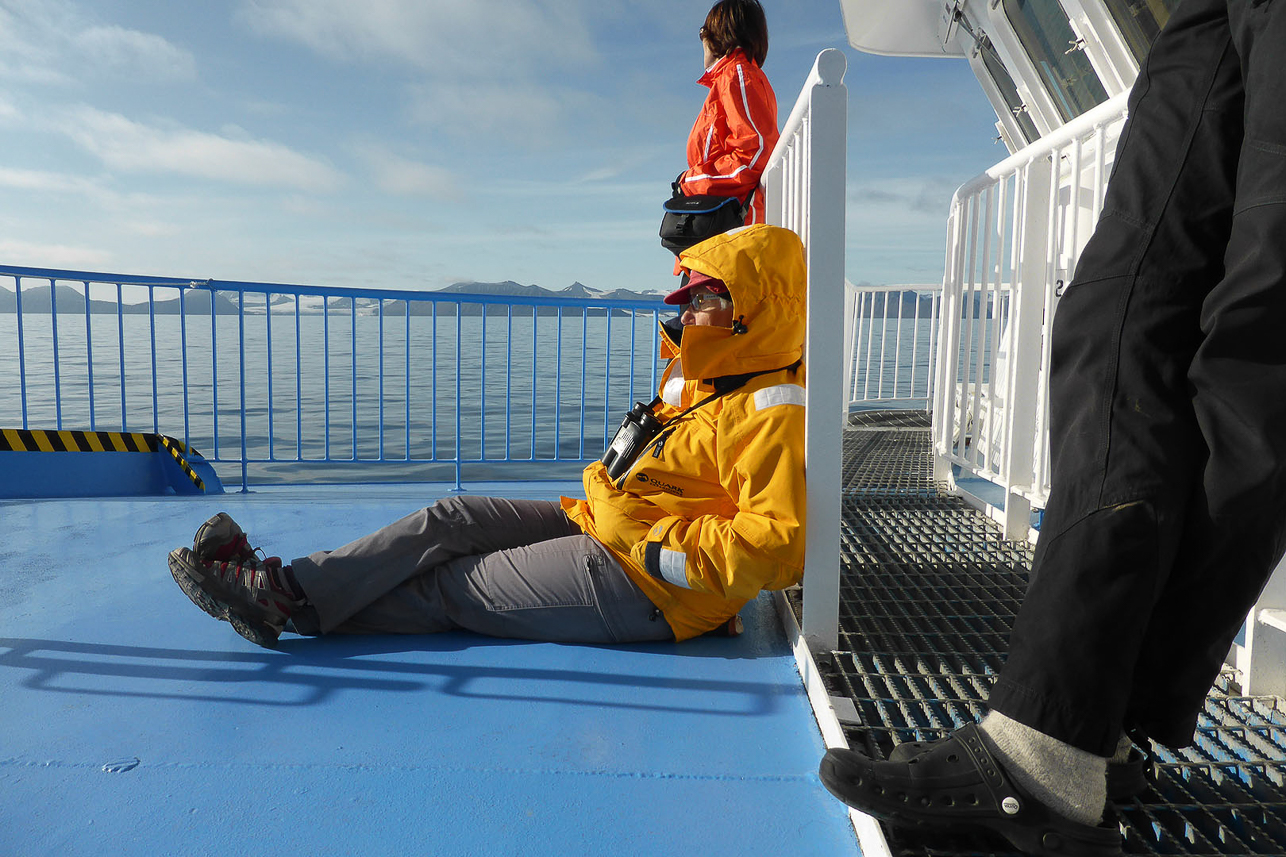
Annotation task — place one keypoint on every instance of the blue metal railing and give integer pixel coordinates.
(466, 379)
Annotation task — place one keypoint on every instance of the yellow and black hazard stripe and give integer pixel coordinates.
(46, 440)
(41, 440)
(176, 448)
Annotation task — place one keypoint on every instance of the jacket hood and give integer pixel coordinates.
(763, 268)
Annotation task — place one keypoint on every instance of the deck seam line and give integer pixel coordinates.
(809, 777)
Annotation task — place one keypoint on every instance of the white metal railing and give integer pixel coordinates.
(1013, 237)
(890, 337)
(804, 191)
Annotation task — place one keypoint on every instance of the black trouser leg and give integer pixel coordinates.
(1233, 533)
(1139, 563)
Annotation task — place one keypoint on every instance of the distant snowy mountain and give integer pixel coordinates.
(36, 299)
(510, 289)
(308, 304)
(576, 290)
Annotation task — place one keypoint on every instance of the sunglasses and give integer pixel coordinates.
(706, 301)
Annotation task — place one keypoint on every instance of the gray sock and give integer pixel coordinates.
(1068, 780)
(1123, 747)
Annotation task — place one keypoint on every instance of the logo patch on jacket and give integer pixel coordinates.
(657, 483)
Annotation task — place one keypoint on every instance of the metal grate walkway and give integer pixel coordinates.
(928, 594)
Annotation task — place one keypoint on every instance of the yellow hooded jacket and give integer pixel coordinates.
(712, 511)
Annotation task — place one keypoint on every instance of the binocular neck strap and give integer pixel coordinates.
(726, 384)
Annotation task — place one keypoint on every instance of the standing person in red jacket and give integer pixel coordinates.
(736, 130)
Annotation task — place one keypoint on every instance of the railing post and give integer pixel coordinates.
(22, 349)
(1026, 312)
(241, 368)
(852, 303)
(459, 393)
(828, 114)
(948, 346)
(1262, 661)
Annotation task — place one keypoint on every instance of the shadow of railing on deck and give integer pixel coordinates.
(344, 664)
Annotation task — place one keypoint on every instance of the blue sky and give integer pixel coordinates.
(417, 143)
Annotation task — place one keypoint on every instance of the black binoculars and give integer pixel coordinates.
(637, 430)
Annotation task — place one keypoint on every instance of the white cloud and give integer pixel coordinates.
(40, 180)
(306, 206)
(151, 228)
(921, 195)
(27, 53)
(601, 174)
(475, 67)
(521, 115)
(98, 190)
(469, 109)
(55, 41)
(135, 53)
(456, 37)
(629, 193)
(129, 146)
(405, 177)
(39, 255)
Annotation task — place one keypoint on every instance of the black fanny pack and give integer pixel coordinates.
(690, 220)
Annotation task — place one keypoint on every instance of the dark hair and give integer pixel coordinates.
(737, 24)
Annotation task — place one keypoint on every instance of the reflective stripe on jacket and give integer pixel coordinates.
(734, 134)
(712, 512)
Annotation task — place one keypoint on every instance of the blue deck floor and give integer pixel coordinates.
(134, 724)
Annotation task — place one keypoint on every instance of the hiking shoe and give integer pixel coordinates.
(958, 782)
(246, 593)
(221, 539)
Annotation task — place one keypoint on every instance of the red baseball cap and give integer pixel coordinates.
(696, 280)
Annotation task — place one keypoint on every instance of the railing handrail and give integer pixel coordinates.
(1102, 114)
(828, 70)
(897, 287)
(645, 302)
(28, 273)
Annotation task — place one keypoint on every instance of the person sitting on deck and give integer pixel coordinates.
(1168, 443)
(679, 530)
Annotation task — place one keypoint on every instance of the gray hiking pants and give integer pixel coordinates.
(505, 568)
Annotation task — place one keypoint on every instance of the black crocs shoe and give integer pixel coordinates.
(957, 782)
(1125, 780)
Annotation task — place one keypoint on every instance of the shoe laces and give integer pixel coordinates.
(260, 580)
(240, 550)
(249, 572)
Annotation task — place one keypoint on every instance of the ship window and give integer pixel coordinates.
(1047, 36)
(1139, 21)
(1008, 89)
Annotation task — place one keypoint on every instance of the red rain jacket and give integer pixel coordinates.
(734, 134)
